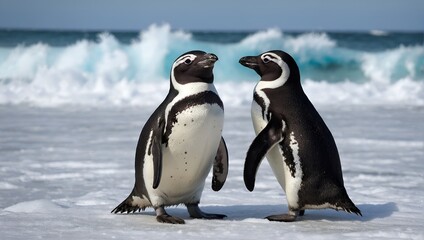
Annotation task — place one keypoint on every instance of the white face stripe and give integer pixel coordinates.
(177, 62)
(270, 57)
(183, 58)
(285, 73)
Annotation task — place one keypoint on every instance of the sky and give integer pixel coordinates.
(338, 15)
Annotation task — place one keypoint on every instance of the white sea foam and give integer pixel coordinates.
(402, 92)
(123, 93)
(307, 41)
(379, 33)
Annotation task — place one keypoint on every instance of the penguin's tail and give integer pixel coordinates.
(130, 205)
(349, 206)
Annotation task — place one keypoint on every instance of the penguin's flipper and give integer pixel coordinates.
(266, 139)
(155, 149)
(220, 166)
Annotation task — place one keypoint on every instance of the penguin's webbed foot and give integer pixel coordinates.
(286, 217)
(195, 212)
(163, 217)
(282, 218)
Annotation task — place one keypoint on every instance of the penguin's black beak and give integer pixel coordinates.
(250, 62)
(208, 60)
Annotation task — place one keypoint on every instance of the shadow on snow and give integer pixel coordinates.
(241, 212)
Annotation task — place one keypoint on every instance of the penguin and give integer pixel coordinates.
(292, 135)
(180, 143)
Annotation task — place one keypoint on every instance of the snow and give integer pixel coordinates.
(63, 169)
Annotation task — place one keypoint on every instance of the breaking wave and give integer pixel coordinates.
(107, 71)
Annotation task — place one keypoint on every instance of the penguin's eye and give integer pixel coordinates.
(266, 60)
(188, 61)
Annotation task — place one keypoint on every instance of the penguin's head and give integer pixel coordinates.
(273, 65)
(193, 66)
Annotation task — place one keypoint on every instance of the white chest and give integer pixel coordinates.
(188, 156)
(195, 136)
(259, 122)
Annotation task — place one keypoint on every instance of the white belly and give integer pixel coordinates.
(188, 158)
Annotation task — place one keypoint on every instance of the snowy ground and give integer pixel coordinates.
(63, 169)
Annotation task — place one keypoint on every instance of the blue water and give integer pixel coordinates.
(54, 68)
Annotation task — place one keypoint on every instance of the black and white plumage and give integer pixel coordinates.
(180, 143)
(292, 135)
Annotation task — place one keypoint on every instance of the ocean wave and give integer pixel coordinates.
(107, 71)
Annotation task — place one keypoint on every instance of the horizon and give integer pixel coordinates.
(117, 30)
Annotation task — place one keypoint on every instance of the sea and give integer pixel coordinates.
(73, 103)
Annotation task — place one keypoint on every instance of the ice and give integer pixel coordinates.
(63, 169)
